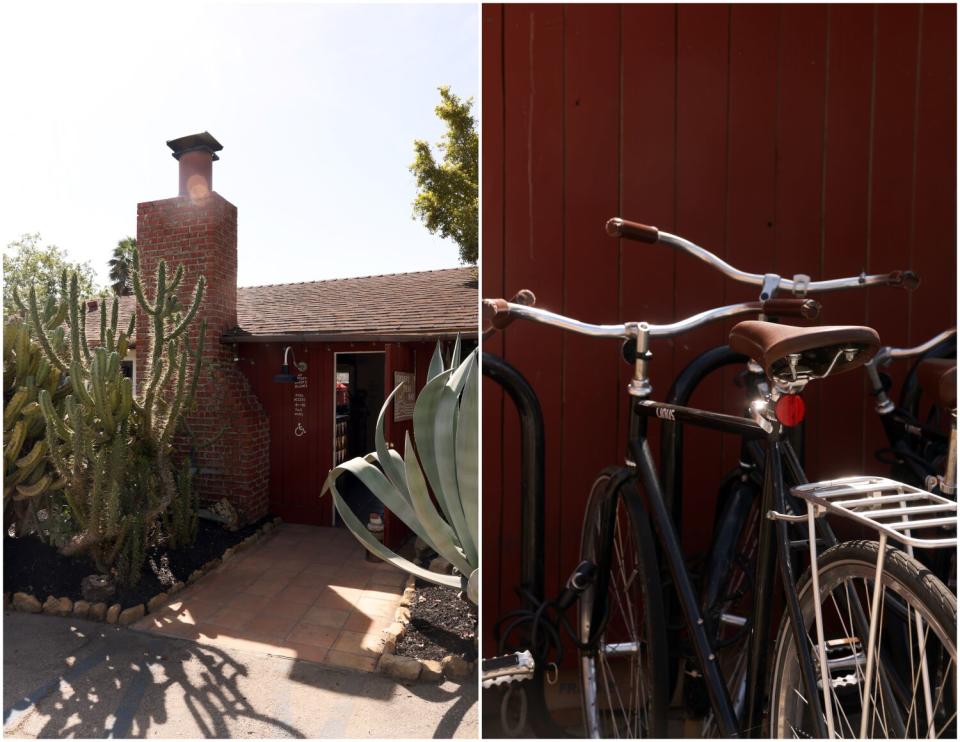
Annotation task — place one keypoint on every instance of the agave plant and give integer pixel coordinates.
(442, 458)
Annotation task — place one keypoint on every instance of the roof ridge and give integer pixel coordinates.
(358, 278)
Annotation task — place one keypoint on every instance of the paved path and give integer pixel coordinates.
(73, 678)
(304, 592)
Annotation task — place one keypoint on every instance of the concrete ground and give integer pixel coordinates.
(72, 678)
(303, 592)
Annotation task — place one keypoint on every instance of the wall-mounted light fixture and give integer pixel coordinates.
(285, 377)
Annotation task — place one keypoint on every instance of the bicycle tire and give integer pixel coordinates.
(636, 615)
(906, 583)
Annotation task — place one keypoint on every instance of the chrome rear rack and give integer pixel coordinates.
(892, 508)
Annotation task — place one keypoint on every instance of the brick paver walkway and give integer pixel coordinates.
(304, 592)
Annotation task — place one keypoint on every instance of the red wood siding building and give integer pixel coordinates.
(788, 139)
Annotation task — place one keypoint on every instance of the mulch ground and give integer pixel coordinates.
(440, 624)
(33, 567)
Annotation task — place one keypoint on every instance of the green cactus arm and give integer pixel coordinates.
(141, 295)
(54, 421)
(75, 310)
(84, 346)
(79, 386)
(132, 324)
(126, 398)
(178, 396)
(197, 355)
(44, 341)
(175, 283)
(103, 326)
(59, 316)
(98, 382)
(194, 308)
(114, 315)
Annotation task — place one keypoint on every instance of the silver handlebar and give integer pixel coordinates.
(770, 282)
(630, 329)
(887, 354)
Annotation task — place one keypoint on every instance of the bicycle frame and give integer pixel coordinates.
(773, 499)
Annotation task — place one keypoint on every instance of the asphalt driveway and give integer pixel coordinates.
(73, 678)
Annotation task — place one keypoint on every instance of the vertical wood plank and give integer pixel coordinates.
(750, 201)
(935, 226)
(646, 175)
(844, 252)
(701, 183)
(591, 193)
(891, 191)
(801, 106)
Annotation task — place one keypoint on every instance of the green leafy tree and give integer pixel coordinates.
(27, 262)
(121, 266)
(448, 190)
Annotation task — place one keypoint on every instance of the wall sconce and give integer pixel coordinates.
(285, 377)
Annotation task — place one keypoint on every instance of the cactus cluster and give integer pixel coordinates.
(110, 449)
(29, 479)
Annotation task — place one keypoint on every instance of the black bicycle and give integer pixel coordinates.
(832, 668)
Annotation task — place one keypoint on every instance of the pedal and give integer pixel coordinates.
(509, 668)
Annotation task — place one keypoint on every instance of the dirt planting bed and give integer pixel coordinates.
(440, 624)
(30, 566)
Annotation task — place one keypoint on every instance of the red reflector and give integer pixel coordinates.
(790, 410)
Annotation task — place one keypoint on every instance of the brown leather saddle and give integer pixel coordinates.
(811, 352)
(938, 377)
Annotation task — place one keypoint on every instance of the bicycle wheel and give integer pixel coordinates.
(914, 684)
(623, 676)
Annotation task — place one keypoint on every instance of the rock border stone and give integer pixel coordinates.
(411, 669)
(116, 614)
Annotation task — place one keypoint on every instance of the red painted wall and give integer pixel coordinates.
(790, 139)
(298, 465)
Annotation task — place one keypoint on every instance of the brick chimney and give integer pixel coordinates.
(198, 229)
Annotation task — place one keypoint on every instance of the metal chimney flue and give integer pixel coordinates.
(196, 154)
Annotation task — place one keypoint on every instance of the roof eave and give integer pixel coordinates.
(348, 337)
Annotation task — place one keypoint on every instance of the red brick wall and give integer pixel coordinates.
(201, 235)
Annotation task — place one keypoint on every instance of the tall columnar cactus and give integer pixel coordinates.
(28, 476)
(111, 447)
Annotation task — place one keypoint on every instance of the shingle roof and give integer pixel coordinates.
(399, 305)
(427, 303)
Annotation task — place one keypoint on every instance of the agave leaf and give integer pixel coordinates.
(375, 547)
(436, 364)
(383, 490)
(473, 587)
(445, 539)
(455, 356)
(442, 438)
(424, 413)
(468, 449)
(390, 461)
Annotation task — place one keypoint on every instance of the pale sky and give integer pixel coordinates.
(316, 106)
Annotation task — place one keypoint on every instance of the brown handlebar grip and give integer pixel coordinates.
(803, 308)
(497, 311)
(907, 279)
(525, 297)
(618, 227)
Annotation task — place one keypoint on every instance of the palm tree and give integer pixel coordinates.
(121, 266)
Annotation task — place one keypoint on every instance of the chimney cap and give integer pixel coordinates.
(203, 141)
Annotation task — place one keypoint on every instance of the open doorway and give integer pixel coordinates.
(358, 396)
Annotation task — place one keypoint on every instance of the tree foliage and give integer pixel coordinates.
(27, 262)
(121, 266)
(448, 190)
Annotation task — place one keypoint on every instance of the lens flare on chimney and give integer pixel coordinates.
(196, 154)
